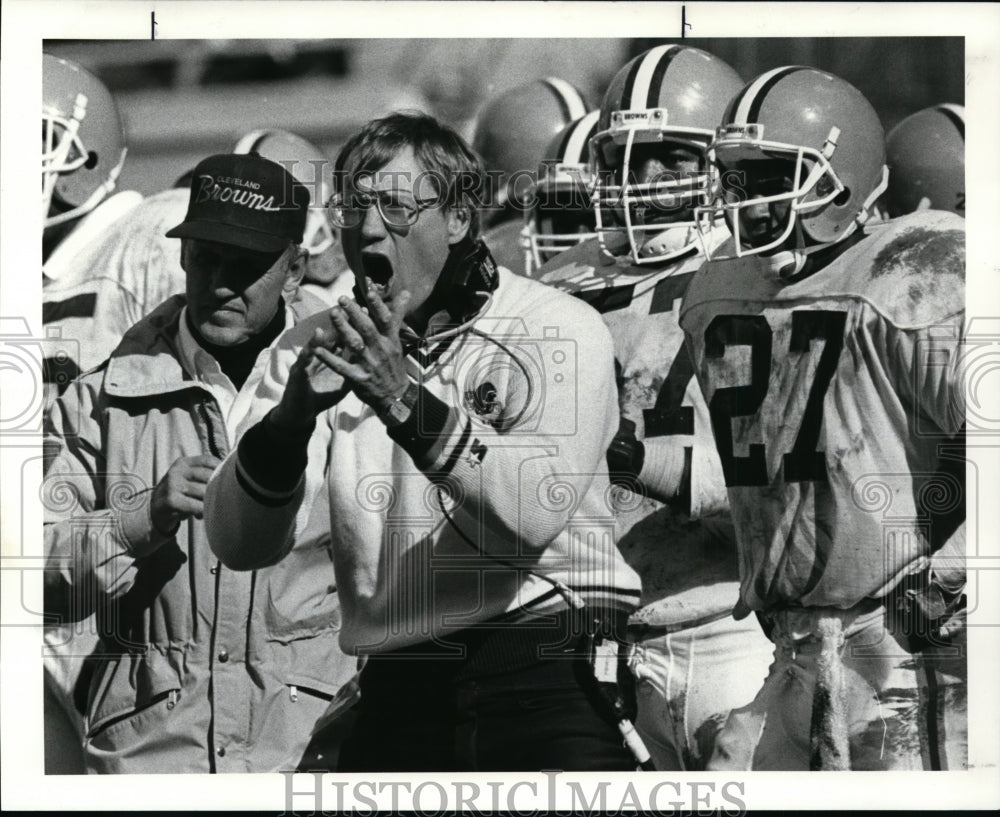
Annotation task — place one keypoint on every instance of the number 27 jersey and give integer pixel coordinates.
(828, 399)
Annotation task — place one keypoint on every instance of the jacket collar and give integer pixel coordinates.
(147, 362)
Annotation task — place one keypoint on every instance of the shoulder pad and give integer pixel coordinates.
(504, 243)
(750, 278)
(912, 269)
(576, 262)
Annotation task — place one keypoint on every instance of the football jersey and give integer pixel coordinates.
(114, 268)
(828, 397)
(504, 241)
(687, 563)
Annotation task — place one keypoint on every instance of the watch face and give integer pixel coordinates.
(399, 411)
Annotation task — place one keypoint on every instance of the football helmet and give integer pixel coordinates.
(309, 165)
(513, 129)
(834, 143)
(926, 157)
(83, 141)
(671, 95)
(561, 214)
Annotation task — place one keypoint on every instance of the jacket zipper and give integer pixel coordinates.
(202, 409)
(210, 430)
(171, 696)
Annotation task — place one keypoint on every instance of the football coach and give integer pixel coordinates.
(451, 421)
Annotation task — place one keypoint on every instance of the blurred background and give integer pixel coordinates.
(182, 100)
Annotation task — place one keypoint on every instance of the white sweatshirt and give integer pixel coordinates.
(513, 421)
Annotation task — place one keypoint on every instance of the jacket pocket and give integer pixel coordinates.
(302, 598)
(314, 664)
(329, 730)
(127, 686)
(108, 723)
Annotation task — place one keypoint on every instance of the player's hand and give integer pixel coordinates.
(370, 358)
(181, 493)
(625, 455)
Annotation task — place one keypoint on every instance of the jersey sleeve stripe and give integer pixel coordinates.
(608, 299)
(79, 306)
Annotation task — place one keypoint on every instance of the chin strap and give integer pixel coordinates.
(680, 240)
(869, 203)
(791, 262)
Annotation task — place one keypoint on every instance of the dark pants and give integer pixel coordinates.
(492, 709)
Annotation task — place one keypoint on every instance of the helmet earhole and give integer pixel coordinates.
(91, 162)
(843, 197)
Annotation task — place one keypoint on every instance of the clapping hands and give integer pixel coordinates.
(360, 352)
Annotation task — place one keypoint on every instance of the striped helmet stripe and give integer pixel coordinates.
(748, 108)
(251, 141)
(956, 113)
(643, 82)
(569, 98)
(574, 146)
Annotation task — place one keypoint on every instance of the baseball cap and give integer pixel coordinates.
(244, 200)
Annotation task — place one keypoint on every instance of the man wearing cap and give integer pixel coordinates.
(198, 668)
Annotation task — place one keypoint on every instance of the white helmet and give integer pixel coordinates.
(672, 95)
(561, 213)
(832, 138)
(83, 141)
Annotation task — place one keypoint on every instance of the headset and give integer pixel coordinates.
(468, 273)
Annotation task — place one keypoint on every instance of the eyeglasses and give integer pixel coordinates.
(395, 211)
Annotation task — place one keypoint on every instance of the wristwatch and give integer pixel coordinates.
(399, 410)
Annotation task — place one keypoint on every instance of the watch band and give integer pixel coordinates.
(399, 410)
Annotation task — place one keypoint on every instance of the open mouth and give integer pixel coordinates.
(378, 270)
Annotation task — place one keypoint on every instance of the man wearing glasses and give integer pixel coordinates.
(453, 419)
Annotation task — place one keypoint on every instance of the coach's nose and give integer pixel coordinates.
(373, 227)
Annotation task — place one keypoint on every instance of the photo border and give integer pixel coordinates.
(26, 23)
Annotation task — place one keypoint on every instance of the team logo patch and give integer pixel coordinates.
(484, 401)
(654, 117)
(477, 452)
(753, 131)
(237, 191)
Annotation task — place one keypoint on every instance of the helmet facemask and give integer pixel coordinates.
(814, 185)
(319, 235)
(654, 218)
(560, 215)
(63, 152)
